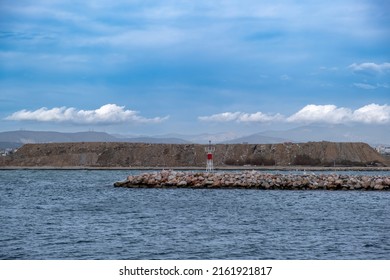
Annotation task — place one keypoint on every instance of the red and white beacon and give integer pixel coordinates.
(209, 150)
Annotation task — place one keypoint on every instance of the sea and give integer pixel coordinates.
(78, 214)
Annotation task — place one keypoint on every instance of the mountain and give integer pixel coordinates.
(25, 136)
(257, 138)
(202, 138)
(338, 133)
(154, 140)
(370, 134)
(15, 139)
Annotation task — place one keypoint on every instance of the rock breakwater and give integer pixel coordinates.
(255, 180)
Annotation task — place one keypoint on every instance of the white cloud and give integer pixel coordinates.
(241, 117)
(369, 114)
(370, 67)
(259, 117)
(321, 113)
(372, 113)
(107, 114)
(222, 117)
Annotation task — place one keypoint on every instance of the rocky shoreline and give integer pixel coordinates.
(255, 180)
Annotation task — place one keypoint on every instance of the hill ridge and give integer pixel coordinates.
(119, 154)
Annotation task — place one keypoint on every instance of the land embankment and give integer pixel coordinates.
(255, 180)
(141, 155)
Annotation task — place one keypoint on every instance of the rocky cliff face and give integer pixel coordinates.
(104, 154)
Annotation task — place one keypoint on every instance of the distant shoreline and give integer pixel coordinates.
(221, 168)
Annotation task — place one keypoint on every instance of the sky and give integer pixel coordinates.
(158, 67)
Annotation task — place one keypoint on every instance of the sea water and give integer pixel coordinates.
(65, 214)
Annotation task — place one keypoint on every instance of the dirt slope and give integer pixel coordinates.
(103, 154)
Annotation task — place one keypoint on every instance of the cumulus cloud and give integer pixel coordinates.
(106, 114)
(321, 113)
(370, 68)
(369, 114)
(372, 113)
(259, 117)
(241, 117)
(222, 117)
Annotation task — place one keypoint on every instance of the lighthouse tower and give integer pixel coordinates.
(209, 150)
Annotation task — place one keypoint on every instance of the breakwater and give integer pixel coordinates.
(255, 180)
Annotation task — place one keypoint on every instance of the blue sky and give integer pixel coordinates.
(157, 67)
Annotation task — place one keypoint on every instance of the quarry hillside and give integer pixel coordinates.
(105, 154)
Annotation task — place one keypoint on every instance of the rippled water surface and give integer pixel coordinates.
(49, 214)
